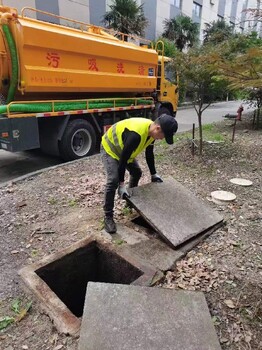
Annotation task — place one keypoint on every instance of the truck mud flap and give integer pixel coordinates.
(18, 134)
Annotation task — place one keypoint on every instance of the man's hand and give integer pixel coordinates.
(122, 191)
(156, 178)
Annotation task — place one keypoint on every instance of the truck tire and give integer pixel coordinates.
(78, 140)
(164, 110)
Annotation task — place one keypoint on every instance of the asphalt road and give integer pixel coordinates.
(214, 113)
(13, 165)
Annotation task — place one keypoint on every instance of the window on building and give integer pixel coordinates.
(178, 3)
(51, 6)
(197, 10)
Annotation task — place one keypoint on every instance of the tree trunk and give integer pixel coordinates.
(199, 115)
(258, 118)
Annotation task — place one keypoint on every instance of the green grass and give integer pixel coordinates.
(207, 127)
(210, 133)
(72, 203)
(5, 321)
(183, 136)
(19, 309)
(34, 253)
(52, 201)
(119, 241)
(126, 211)
(218, 137)
(159, 156)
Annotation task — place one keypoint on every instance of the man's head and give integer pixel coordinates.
(164, 126)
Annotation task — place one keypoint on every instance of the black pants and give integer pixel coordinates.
(111, 167)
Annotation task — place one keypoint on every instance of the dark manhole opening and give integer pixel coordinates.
(142, 222)
(68, 276)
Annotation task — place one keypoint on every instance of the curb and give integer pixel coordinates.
(185, 107)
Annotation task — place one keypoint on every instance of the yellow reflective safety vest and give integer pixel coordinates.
(112, 139)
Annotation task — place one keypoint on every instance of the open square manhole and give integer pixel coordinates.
(59, 280)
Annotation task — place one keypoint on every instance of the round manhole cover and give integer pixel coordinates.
(222, 197)
(241, 182)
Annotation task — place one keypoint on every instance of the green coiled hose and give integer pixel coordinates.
(43, 107)
(14, 62)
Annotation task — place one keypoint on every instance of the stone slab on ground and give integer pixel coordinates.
(122, 317)
(150, 248)
(146, 246)
(173, 211)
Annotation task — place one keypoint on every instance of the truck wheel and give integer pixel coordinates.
(78, 141)
(163, 110)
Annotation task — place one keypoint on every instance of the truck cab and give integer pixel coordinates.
(167, 82)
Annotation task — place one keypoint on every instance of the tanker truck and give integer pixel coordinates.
(61, 86)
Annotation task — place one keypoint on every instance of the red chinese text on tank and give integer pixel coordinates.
(53, 59)
(92, 64)
(120, 68)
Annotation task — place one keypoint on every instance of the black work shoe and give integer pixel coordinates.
(110, 225)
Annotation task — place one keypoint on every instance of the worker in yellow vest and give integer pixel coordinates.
(121, 144)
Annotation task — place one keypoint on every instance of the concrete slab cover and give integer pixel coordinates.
(152, 250)
(147, 247)
(119, 317)
(173, 211)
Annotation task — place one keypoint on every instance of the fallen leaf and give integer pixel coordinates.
(58, 347)
(21, 204)
(53, 339)
(182, 286)
(248, 339)
(23, 312)
(216, 320)
(229, 303)
(223, 340)
(237, 338)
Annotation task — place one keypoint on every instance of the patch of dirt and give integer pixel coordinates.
(49, 212)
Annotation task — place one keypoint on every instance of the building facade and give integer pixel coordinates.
(73, 9)
(156, 11)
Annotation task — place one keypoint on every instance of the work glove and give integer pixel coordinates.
(156, 178)
(122, 192)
